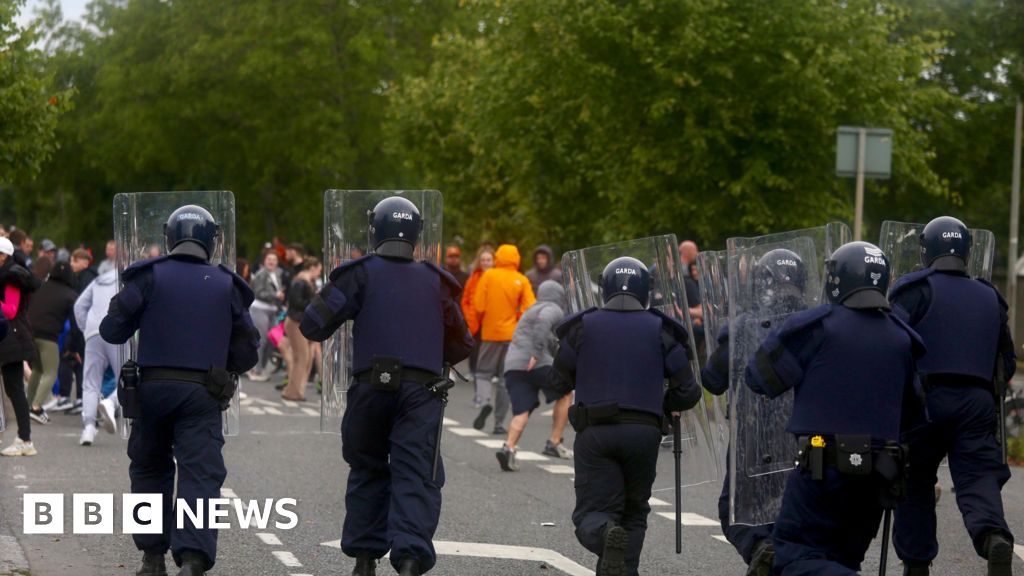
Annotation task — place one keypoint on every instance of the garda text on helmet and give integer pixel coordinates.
(144, 513)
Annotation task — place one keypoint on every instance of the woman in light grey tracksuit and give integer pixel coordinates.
(269, 291)
(90, 308)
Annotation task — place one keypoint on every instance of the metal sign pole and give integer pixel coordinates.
(1011, 266)
(858, 217)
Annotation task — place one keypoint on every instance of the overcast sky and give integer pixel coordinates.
(73, 9)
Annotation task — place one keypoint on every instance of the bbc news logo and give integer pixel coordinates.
(144, 513)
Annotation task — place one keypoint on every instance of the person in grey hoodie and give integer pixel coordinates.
(544, 267)
(527, 365)
(90, 308)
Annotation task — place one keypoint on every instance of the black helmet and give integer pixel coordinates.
(858, 276)
(948, 239)
(395, 219)
(626, 276)
(779, 275)
(193, 224)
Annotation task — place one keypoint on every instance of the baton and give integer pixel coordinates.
(677, 451)
(1000, 388)
(440, 389)
(886, 525)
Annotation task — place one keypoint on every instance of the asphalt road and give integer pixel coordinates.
(492, 523)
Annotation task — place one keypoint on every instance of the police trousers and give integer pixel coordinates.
(180, 422)
(962, 426)
(615, 469)
(744, 538)
(825, 526)
(392, 503)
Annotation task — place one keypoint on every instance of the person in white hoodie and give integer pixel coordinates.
(90, 309)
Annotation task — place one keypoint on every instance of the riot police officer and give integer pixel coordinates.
(407, 327)
(963, 322)
(778, 275)
(195, 334)
(851, 364)
(617, 358)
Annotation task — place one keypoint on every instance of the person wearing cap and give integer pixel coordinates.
(48, 249)
(16, 286)
(453, 265)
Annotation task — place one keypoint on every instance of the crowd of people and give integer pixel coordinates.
(54, 361)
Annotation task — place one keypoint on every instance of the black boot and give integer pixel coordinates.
(915, 570)
(409, 567)
(613, 556)
(152, 565)
(192, 565)
(762, 559)
(999, 552)
(365, 566)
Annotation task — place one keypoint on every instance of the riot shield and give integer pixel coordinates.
(3, 414)
(347, 237)
(139, 219)
(762, 452)
(712, 270)
(900, 242)
(581, 272)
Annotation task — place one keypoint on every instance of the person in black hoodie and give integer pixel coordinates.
(16, 286)
(52, 306)
(544, 267)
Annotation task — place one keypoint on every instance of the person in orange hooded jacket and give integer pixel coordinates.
(501, 297)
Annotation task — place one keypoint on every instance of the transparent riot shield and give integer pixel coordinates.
(347, 237)
(581, 272)
(900, 242)
(761, 451)
(712, 268)
(3, 414)
(139, 219)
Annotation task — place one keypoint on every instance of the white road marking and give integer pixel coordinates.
(255, 410)
(287, 558)
(1019, 550)
(557, 468)
(19, 476)
(450, 422)
(466, 432)
(657, 502)
(690, 519)
(491, 443)
(290, 403)
(265, 402)
(228, 493)
(502, 552)
(548, 412)
(720, 538)
(274, 411)
(310, 412)
(530, 456)
(22, 487)
(268, 538)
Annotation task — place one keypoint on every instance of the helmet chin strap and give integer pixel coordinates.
(191, 248)
(395, 249)
(624, 302)
(949, 263)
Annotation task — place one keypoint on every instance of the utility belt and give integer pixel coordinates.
(856, 455)
(219, 382)
(581, 416)
(930, 382)
(388, 373)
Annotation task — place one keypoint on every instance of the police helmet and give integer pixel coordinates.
(946, 240)
(626, 276)
(395, 219)
(857, 276)
(779, 275)
(192, 224)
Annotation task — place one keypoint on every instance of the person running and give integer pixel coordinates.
(527, 373)
(90, 309)
(16, 287)
(50, 309)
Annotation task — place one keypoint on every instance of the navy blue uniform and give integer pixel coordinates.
(964, 324)
(620, 358)
(407, 310)
(853, 373)
(715, 378)
(190, 316)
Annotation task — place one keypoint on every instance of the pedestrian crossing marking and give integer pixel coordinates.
(466, 432)
(491, 443)
(530, 456)
(657, 502)
(690, 519)
(557, 468)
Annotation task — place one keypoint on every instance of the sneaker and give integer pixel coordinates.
(108, 412)
(62, 405)
(507, 459)
(53, 402)
(76, 408)
(999, 552)
(481, 418)
(19, 448)
(613, 555)
(557, 451)
(499, 431)
(88, 435)
(257, 376)
(39, 415)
